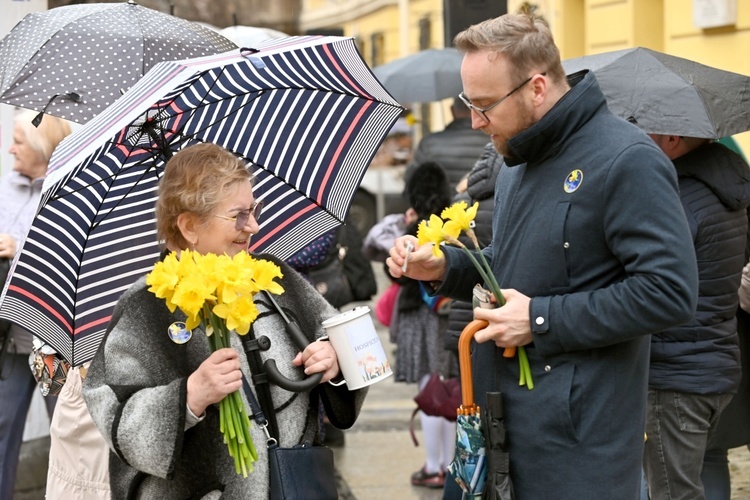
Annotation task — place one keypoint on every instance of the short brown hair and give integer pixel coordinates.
(195, 180)
(525, 40)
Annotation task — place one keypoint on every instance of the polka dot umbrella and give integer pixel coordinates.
(76, 60)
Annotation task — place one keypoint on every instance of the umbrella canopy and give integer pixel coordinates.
(429, 75)
(305, 112)
(670, 95)
(76, 60)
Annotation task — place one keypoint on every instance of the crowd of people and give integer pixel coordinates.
(623, 259)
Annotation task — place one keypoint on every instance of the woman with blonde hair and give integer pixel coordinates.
(154, 396)
(20, 190)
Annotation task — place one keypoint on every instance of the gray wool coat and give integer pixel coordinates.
(136, 392)
(607, 258)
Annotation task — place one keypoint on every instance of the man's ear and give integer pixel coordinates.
(187, 223)
(540, 85)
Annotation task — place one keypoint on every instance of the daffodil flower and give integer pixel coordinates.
(216, 291)
(457, 219)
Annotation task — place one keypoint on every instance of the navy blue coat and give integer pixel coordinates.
(588, 223)
(703, 356)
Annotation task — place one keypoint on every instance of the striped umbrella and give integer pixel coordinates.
(305, 112)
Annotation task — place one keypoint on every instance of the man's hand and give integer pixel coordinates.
(508, 325)
(421, 263)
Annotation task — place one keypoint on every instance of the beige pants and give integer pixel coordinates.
(78, 455)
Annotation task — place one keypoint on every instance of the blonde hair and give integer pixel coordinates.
(524, 39)
(195, 180)
(45, 138)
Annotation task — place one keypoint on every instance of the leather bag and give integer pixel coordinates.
(302, 472)
(440, 397)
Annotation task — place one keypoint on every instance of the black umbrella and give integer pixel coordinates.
(429, 75)
(76, 60)
(665, 94)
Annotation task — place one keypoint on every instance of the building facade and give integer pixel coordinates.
(711, 32)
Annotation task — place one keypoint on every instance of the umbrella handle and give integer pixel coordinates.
(275, 376)
(464, 362)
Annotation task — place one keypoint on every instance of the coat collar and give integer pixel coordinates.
(570, 113)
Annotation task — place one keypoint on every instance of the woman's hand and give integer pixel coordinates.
(319, 357)
(7, 246)
(216, 377)
(421, 263)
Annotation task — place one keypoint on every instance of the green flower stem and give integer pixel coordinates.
(234, 422)
(494, 286)
(486, 272)
(524, 367)
(480, 268)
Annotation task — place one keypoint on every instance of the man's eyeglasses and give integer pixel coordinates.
(483, 111)
(240, 220)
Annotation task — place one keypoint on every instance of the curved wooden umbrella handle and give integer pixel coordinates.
(464, 362)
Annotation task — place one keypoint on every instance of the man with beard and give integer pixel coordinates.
(592, 250)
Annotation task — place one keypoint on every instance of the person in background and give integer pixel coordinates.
(480, 188)
(592, 251)
(20, 190)
(456, 148)
(418, 330)
(154, 400)
(733, 428)
(695, 367)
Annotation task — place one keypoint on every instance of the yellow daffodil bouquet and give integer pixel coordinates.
(216, 292)
(452, 222)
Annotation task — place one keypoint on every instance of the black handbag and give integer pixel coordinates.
(302, 472)
(345, 275)
(330, 279)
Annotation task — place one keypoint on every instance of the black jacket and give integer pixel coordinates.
(456, 149)
(702, 356)
(481, 189)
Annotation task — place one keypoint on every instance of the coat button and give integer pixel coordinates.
(539, 321)
(547, 368)
(566, 245)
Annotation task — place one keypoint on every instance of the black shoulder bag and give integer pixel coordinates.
(304, 471)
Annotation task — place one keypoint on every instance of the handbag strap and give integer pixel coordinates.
(258, 415)
(252, 348)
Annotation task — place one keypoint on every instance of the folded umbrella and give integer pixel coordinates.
(481, 462)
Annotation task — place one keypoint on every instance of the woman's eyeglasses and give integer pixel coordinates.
(240, 220)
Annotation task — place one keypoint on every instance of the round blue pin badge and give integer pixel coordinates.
(573, 181)
(178, 333)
